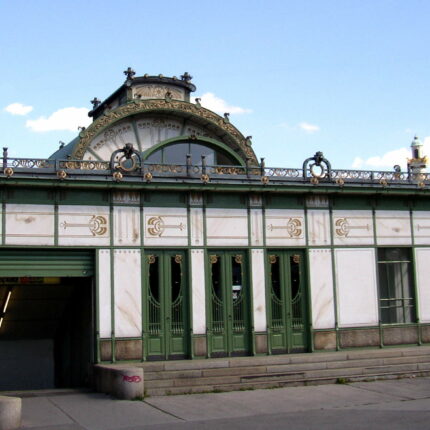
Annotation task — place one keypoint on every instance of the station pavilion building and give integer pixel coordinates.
(158, 234)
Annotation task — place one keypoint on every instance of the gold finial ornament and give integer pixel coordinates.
(117, 176)
(61, 174)
(8, 172)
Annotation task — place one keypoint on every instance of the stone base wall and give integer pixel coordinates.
(371, 337)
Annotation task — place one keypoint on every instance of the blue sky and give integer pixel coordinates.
(349, 78)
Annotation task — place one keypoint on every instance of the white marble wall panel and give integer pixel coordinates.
(421, 227)
(153, 130)
(256, 222)
(126, 225)
(83, 225)
(196, 226)
(258, 290)
(422, 259)
(393, 228)
(29, 224)
(321, 288)
(353, 227)
(198, 291)
(128, 293)
(227, 227)
(285, 227)
(110, 140)
(356, 287)
(104, 293)
(319, 227)
(165, 226)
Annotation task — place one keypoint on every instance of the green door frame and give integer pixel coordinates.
(288, 316)
(228, 303)
(166, 310)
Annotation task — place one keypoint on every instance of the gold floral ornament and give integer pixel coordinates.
(117, 176)
(296, 258)
(61, 174)
(151, 259)
(383, 182)
(421, 184)
(314, 180)
(294, 227)
(238, 259)
(178, 259)
(148, 177)
(265, 180)
(272, 259)
(8, 172)
(340, 182)
(213, 259)
(205, 178)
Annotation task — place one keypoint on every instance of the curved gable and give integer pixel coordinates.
(148, 122)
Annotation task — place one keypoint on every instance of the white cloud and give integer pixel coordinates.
(63, 119)
(391, 158)
(212, 102)
(18, 109)
(309, 128)
(357, 163)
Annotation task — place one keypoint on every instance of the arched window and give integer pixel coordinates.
(176, 153)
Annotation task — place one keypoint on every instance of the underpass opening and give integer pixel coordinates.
(46, 319)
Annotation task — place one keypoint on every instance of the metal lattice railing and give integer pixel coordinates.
(308, 174)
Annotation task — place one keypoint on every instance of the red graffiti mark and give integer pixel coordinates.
(131, 378)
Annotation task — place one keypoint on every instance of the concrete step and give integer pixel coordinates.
(281, 382)
(157, 366)
(283, 368)
(286, 375)
(288, 370)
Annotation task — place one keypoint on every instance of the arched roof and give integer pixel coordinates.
(221, 127)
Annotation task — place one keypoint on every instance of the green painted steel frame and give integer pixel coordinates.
(165, 301)
(284, 255)
(216, 144)
(225, 272)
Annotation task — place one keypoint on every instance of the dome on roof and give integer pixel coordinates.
(147, 111)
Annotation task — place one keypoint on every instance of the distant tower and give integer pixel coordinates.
(418, 162)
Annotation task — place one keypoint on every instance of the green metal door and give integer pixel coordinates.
(228, 313)
(287, 302)
(166, 325)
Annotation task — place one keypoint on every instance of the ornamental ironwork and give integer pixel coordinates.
(127, 164)
(126, 159)
(317, 166)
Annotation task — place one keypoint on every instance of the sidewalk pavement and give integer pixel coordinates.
(396, 404)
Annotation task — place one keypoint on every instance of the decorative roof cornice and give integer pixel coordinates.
(168, 106)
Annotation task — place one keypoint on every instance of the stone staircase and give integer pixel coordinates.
(248, 373)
